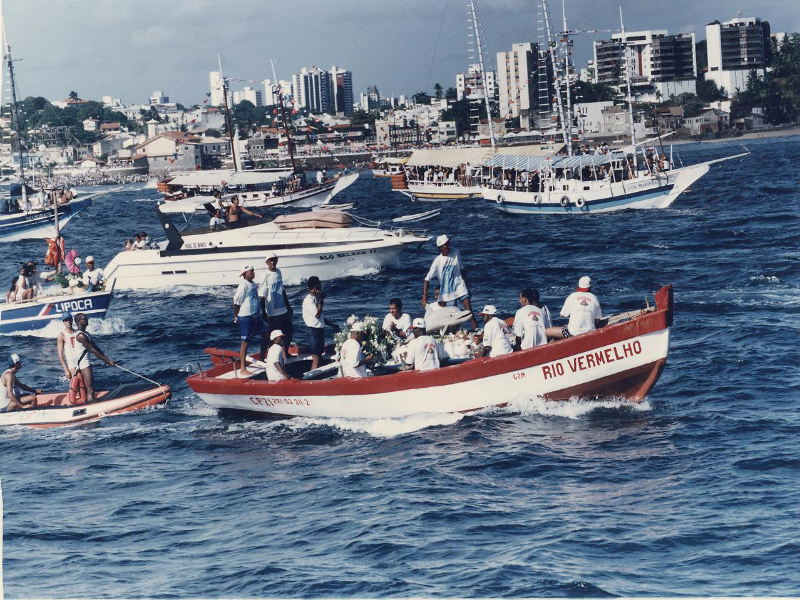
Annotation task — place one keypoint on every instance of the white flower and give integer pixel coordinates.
(370, 321)
(352, 319)
(77, 260)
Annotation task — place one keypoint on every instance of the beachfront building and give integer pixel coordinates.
(660, 65)
(735, 48)
(517, 81)
(469, 85)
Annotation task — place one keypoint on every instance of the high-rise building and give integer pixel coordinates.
(735, 48)
(660, 65)
(517, 80)
(315, 90)
(471, 86)
(342, 81)
(217, 89)
(253, 96)
(158, 98)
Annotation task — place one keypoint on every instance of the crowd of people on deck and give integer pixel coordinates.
(262, 311)
(141, 241)
(43, 199)
(29, 283)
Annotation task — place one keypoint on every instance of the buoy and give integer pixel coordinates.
(580, 202)
(537, 199)
(500, 199)
(414, 198)
(564, 200)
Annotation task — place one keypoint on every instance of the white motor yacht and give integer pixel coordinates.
(313, 243)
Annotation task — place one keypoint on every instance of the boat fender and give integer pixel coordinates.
(414, 198)
(537, 199)
(500, 199)
(564, 200)
(77, 390)
(580, 202)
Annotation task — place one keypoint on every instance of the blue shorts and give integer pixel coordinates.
(316, 340)
(250, 326)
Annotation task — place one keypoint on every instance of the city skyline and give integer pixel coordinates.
(400, 47)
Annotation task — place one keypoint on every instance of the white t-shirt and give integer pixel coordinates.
(422, 353)
(350, 355)
(310, 312)
(495, 334)
(582, 308)
(93, 277)
(71, 348)
(271, 289)
(275, 355)
(401, 324)
(447, 269)
(530, 323)
(247, 298)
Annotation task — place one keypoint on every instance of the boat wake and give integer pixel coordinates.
(379, 428)
(106, 326)
(574, 408)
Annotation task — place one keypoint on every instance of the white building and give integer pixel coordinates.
(158, 97)
(471, 85)
(735, 48)
(253, 96)
(516, 77)
(589, 115)
(217, 89)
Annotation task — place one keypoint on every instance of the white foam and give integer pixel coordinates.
(765, 279)
(380, 428)
(194, 407)
(569, 409)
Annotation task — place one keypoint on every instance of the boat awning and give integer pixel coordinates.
(534, 163)
(215, 178)
(454, 157)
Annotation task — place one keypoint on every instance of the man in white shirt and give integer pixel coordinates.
(276, 363)
(247, 313)
(275, 302)
(495, 333)
(421, 352)
(452, 276)
(315, 321)
(92, 278)
(351, 356)
(397, 323)
(531, 321)
(583, 309)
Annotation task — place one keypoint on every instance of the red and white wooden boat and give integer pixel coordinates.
(55, 410)
(621, 360)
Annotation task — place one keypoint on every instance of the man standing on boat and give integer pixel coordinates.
(531, 321)
(274, 301)
(235, 212)
(583, 309)
(247, 313)
(315, 321)
(495, 333)
(422, 353)
(67, 347)
(85, 345)
(9, 398)
(452, 276)
(352, 359)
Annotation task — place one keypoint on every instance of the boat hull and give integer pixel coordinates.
(57, 412)
(441, 193)
(644, 192)
(39, 224)
(31, 316)
(623, 361)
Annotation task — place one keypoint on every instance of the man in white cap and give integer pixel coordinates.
(452, 276)
(247, 312)
(531, 321)
(276, 363)
(422, 353)
(583, 309)
(351, 356)
(92, 278)
(10, 400)
(495, 333)
(275, 302)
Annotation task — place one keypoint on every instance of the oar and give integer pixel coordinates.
(145, 378)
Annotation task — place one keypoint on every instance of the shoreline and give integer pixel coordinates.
(751, 135)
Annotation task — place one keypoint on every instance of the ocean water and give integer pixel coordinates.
(693, 492)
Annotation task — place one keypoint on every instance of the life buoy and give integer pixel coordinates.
(537, 199)
(580, 202)
(564, 200)
(414, 198)
(500, 199)
(77, 390)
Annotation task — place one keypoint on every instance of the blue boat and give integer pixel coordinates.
(37, 314)
(38, 223)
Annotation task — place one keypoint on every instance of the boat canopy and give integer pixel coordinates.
(231, 178)
(454, 157)
(535, 163)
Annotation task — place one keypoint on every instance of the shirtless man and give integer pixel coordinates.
(9, 400)
(235, 211)
(85, 345)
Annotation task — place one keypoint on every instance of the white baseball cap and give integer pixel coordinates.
(13, 359)
(90, 258)
(442, 240)
(419, 322)
(270, 256)
(275, 334)
(585, 283)
(489, 310)
(245, 269)
(357, 326)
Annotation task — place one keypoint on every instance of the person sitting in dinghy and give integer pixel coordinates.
(10, 399)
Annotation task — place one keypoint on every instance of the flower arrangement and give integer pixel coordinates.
(376, 342)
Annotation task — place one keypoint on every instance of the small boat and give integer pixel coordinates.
(40, 312)
(55, 410)
(623, 359)
(417, 217)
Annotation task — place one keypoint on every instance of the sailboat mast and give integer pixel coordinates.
(551, 53)
(483, 73)
(286, 128)
(567, 78)
(227, 113)
(628, 81)
(15, 113)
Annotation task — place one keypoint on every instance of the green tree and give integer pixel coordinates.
(437, 91)
(362, 117)
(421, 98)
(73, 95)
(451, 93)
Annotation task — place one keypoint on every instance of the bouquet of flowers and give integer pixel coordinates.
(376, 341)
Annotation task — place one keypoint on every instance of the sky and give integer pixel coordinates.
(129, 48)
